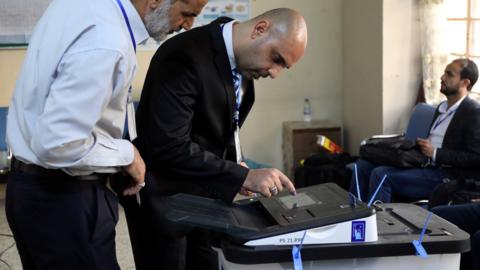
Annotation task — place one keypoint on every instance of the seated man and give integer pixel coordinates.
(467, 218)
(453, 144)
(198, 91)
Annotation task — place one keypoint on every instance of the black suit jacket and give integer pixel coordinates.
(185, 117)
(460, 151)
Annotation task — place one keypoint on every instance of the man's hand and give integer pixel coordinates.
(268, 182)
(426, 147)
(244, 191)
(244, 164)
(136, 170)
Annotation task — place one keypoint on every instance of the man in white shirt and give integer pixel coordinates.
(453, 145)
(65, 127)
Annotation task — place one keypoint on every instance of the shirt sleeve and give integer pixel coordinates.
(66, 135)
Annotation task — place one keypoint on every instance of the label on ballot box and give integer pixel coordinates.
(358, 231)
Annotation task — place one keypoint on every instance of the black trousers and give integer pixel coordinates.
(156, 246)
(62, 223)
(467, 218)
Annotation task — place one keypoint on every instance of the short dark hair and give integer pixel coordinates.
(469, 71)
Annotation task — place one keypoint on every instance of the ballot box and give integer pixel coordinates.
(337, 232)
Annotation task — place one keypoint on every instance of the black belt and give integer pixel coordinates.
(18, 165)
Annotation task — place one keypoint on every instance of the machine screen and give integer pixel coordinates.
(299, 200)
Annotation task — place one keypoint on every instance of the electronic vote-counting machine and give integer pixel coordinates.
(321, 214)
(338, 231)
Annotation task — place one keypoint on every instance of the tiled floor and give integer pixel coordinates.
(9, 259)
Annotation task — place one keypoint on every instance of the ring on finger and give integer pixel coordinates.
(273, 189)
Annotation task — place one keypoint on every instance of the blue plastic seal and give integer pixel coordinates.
(297, 255)
(359, 196)
(419, 248)
(297, 258)
(418, 243)
(377, 190)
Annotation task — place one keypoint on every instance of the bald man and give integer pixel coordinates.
(65, 127)
(197, 94)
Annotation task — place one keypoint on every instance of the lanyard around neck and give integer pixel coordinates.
(125, 17)
(440, 121)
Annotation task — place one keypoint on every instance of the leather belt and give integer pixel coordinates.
(54, 174)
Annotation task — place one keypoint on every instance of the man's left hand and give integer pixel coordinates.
(426, 147)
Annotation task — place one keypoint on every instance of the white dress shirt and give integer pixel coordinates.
(68, 108)
(440, 126)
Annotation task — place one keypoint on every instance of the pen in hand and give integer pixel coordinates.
(137, 194)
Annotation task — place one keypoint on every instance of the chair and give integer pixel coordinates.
(4, 153)
(420, 120)
(418, 127)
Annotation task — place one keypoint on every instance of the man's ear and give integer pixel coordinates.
(260, 28)
(466, 83)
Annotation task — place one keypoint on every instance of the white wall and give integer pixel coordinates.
(317, 76)
(382, 67)
(362, 70)
(401, 62)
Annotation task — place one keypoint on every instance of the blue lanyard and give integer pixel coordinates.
(439, 122)
(128, 25)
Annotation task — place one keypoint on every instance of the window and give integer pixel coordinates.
(463, 31)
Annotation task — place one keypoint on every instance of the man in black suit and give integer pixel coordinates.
(198, 92)
(453, 145)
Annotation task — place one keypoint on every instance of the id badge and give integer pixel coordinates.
(132, 130)
(238, 148)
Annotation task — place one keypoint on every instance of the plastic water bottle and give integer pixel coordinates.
(307, 111)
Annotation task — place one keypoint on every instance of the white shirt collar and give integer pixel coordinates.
(443, 107)
(138, 27)
(228, 39)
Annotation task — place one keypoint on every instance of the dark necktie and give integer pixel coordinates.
(237, 83)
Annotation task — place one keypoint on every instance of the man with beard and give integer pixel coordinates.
(197, 94)
(453, 145)
(65, 126)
